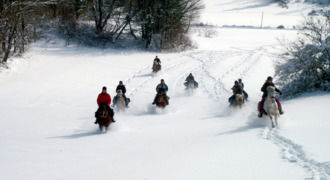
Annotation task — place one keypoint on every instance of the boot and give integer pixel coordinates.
(281, 111)
(113, 120)
(156, 98)
(260, 114)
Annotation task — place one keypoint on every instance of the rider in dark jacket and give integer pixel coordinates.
(189, 79)
(161, 88)
(237, 89)
(269, 82)
(122, 87)
(242, 85)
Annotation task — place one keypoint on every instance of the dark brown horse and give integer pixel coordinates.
(161, 100)
(103, 117)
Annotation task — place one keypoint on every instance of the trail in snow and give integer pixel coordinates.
(290, 151)
(294, 153)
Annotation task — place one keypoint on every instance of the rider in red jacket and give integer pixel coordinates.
(105, 98)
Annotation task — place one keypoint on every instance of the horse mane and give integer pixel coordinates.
(103, 105)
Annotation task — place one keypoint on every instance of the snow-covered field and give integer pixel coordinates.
(48, 100)
(255, 13)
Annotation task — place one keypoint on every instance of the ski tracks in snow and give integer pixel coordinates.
(294, 153)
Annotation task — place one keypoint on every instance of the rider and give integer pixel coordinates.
(240, 82)
(161, 88)
(189, 79)
(122, 87)
(105, 98)
(269, 82)
(237, 89)
(158, 61)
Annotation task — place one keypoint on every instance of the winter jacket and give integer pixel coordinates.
(162, 88)
(265, 86)
(190, 78)
(122, 88)
(104, 98)
(237, 89)
(241, 84)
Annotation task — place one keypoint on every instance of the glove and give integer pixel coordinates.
(280, 93)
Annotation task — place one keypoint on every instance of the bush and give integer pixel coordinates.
(307, 61)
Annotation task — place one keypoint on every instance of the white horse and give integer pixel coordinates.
(120, 102)
(270, 106)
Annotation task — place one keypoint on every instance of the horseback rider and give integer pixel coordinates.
(158, 61)
(121, 87)
(240, 82)
(105, 98)
(237, 89)
(269, 82)
(161, 89)
(189, 79)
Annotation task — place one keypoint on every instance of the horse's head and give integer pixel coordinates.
(191, 84)
(120, 92)
(239, 99)
(103, 112)
(271, 91)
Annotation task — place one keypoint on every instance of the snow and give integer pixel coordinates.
(309, 126)
(48, 100)
(251, 12)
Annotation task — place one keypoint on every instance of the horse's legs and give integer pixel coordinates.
(276, 116)
(271, 120)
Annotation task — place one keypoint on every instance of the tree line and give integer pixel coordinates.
(161, 23)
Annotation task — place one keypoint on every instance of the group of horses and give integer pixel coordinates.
(270, 106)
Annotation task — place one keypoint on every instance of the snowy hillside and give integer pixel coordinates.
(48, 100)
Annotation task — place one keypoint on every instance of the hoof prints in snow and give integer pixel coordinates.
(295, 154)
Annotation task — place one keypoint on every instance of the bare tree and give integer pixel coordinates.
(17, 19)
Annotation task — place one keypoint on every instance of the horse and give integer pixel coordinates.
(161, 100)
(270, 106)
(120, 102)
(238, 101)
(155, 67)
(191, 85)
(103, 118)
